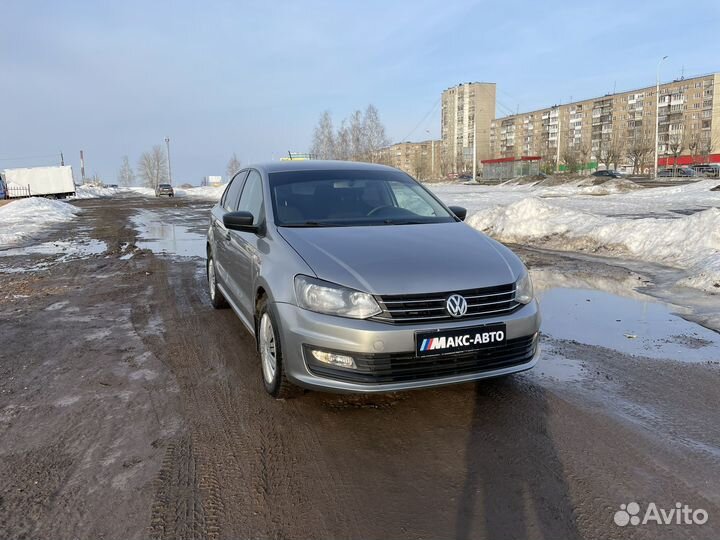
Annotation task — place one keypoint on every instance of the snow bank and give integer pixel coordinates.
(22, 219)
(135, 190)
(690, 242)
(93, 192)
(204, 192)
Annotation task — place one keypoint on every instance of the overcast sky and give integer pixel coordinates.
(115, 78)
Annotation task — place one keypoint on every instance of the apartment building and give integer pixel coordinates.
(467, 114)
(419, 159)
(616, 127)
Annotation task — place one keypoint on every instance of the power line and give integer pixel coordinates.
(413, 130)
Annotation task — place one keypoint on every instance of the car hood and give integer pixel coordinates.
(405, 259)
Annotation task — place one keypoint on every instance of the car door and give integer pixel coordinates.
(243, 256)
(221, 236)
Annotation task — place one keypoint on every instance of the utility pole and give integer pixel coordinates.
(474, 172)
(167, 143)
(62, 160)
(82, 166)
(657, 115)
(432, 154)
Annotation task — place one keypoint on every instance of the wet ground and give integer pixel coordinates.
(130, 408)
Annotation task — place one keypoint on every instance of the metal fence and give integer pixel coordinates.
(14, 192)
(510, 169)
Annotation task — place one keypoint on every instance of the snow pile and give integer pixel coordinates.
(209, 193)
(93, 192)
(22, 219)
(135, 190)
(204, 192)
(690, 242)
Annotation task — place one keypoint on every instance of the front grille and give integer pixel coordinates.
(419, 308)
(395, 368)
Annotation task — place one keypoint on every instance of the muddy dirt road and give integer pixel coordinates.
(129, 408)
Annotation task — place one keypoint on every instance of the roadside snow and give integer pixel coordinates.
(93, 192)
(22, 219)
(587, 198)
(690, 242)
(204, 192)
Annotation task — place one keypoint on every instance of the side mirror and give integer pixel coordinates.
(239, 221)
(459, 211)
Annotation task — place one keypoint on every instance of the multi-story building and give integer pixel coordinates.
(467, 113)
(618, 129)
(418, 159)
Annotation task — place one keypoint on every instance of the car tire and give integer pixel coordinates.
(217, 299)
(271, 357)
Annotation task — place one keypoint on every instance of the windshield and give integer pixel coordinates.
(352, 198)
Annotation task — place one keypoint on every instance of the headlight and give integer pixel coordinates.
(325, 297)
(524, 289)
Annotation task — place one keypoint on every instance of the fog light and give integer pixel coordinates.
(339, 360)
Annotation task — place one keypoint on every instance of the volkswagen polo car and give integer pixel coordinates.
(354, 277)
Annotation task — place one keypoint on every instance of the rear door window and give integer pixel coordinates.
(251, 199)
(232, 193)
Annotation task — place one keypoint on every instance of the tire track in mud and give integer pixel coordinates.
(258, 465)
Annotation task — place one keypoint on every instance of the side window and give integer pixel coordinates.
(232, 193)
(251, 199)
(408, 199)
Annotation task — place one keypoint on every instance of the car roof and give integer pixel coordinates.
(318, 165)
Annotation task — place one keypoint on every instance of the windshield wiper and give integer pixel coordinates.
(310, 224)
(404, 222)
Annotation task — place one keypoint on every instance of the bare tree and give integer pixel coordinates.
(361, 136)
(343, 146)
(152, 167)
(616, 148)
(358, 141)
(584, 150)
(707, 146)
(323, 145)
(374, 132)
(640, 146)
(677, 143)
(126, 175)
(571, 158)
(233, 166)
(420, 165)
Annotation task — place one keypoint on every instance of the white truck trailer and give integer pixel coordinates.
(54, 182)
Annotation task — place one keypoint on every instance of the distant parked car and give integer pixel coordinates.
(709, 170)
(114, 186)
(676, 173)
(164, 189)
(607, 174)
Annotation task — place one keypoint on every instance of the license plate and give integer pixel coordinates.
(459, 339)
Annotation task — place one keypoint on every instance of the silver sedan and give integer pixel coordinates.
(355, 278)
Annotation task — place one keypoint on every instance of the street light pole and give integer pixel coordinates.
(432, 154)
(657, 115)
(167, 143)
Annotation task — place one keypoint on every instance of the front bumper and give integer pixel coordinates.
(382, 342)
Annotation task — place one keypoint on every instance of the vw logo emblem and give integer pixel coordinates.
(456, 305)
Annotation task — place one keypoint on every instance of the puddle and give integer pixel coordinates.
(82, 247)
(66, 249)
(628, 325)
(160, 232)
